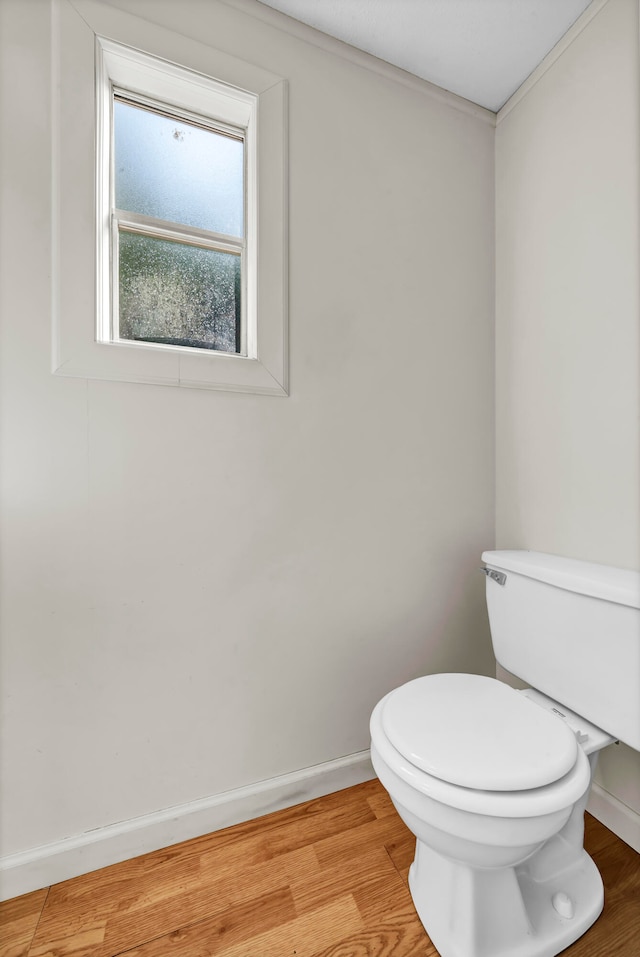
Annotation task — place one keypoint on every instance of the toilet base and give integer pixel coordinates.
(504, 912)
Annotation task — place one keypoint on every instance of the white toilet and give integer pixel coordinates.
(494, 782)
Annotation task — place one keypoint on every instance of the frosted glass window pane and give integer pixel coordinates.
(177, 171)
(177, 294)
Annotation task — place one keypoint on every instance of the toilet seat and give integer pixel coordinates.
(528, 802)
(478, 732)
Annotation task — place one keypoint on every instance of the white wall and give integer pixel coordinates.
(203, 590)
(567, 350)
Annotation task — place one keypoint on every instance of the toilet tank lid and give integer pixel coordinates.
(619, 585)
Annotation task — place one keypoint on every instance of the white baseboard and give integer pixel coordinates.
(52, 863)
(622, 820)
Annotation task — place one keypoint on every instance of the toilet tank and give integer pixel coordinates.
(571, 629)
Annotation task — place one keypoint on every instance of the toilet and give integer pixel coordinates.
(494, 782)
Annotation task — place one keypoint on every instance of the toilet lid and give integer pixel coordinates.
(477, 732)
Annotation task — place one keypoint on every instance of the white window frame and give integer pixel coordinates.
(139, 77)
(167, 70)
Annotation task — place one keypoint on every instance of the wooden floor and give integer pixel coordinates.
(325, 879)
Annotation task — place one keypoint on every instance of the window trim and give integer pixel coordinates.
(111, 49)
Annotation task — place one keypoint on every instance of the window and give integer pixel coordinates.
(186, 187)
(176, 195)
(178, 229)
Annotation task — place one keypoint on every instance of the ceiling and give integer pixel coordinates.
(482, 50)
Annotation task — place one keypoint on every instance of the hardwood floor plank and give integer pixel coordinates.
(398, 935)
(206, 899)
(293, 938)
(132, 928)
(81, 937)
(302, 936)
(232, 928)
(18, 921)
(381, 804)
(293, 827)
(402, 851)
(316, 828)
(341, 848)
(311, 890)
(383, 894)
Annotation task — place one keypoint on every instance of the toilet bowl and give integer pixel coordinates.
(493, 782)
(511, 793)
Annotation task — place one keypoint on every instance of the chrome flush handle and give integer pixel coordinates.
(498, 577)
